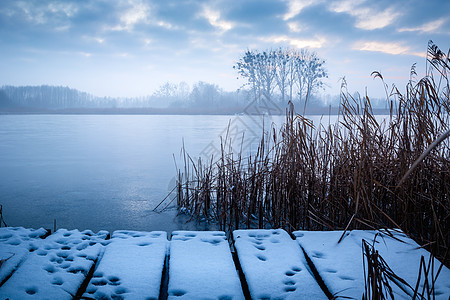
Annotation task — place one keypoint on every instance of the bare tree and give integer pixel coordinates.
(287, 71)
(205, 94)
(166, 90)
(260, 71)
(313, 73)
(283, 71)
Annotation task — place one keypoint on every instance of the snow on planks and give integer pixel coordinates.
(274, 266)
(131, 266)
(15, 244)
(201, 267)
(341, 265)
(56, 268)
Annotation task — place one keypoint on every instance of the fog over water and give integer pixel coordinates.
(102, 171)
(111, 171)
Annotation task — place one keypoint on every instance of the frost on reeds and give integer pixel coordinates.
(347, 175)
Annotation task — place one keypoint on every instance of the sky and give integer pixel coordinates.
(128, 48)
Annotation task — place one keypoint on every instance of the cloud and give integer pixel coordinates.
(147, 42)
(367, 18)
(138, 13)
(370, 21)
(295, 42)
(430, 27)
(96, 39)
(41, 13)
(393, 48)
(214, 18)
(209, 35)
(296, 6)
(67, 9)
(85, 54)
(167, 25)
(294, 27)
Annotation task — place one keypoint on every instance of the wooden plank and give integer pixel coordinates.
(131, 266)
(57, 267)
(201, 267)
(15, 244)
(274, 265)
(341, 265)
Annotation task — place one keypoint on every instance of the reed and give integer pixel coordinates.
(379, 278)
(354, 174)
(377, 274)
(2, 220)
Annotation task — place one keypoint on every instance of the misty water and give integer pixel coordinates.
(103, 171)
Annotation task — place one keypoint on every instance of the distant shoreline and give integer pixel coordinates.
(163, 111)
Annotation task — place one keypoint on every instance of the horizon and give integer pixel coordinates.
(130, 48)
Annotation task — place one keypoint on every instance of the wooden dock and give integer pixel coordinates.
(251, 264)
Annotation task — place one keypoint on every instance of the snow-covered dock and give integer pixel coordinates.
(201, 267)
(402, 254)
(132, 264)
(55, 267)
(15, 244)
(274, 266)
(265, 264)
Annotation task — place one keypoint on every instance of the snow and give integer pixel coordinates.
(57, 266)
(201, 267)
(131, 266)
(15, 244)
(274, 265)
(341, 265)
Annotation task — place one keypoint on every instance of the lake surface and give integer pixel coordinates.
(104, 171)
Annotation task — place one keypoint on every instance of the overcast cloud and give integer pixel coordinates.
(130, 47)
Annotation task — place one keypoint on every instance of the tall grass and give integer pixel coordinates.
(348, 175)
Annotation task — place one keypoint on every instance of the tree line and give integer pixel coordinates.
(45, 96)
(201, 94)
(277, 75)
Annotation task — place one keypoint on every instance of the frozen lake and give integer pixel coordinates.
(102, 171)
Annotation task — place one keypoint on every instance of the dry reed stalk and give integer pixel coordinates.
(341, 176)
(2, 220)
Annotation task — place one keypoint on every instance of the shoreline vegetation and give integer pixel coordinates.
(344, 176)
(321, 111)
